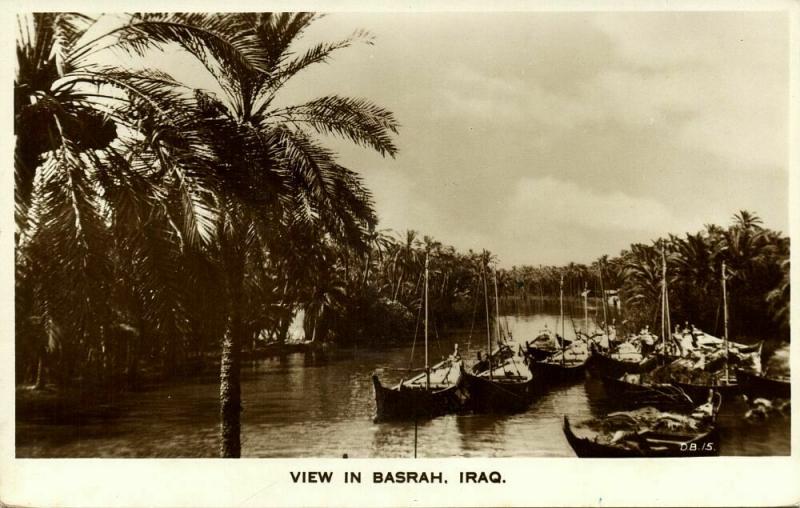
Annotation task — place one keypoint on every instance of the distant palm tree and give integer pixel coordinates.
(643, 281)
(378, 242)
(779, 298)
(405, 261)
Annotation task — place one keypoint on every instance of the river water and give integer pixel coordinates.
(296, 406)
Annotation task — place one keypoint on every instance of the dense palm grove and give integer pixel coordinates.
(374, 294)
(162, 229)
(757, 276)
(156, 222)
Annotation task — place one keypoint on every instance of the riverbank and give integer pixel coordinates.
(293, 406)
(64, 405)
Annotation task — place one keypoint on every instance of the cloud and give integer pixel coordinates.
(567, 203)
(714, 82)
(467, 92)
(727, 72)
(549, 137)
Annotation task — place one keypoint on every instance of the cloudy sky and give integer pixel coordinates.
(557, 137)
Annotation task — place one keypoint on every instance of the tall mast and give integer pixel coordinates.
(496, 306)
(561, 313)
(725, 319)
(665, 323)
(427, 368)
(603, 304)
(488, 322)
(586, 307)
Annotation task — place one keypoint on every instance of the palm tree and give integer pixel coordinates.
(70, 115)
(273, 170)
(379, 242)
(779, 298)
(643, 278)
(405, 261)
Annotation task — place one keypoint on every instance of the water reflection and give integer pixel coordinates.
(296, 406)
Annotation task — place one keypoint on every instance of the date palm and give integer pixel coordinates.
(273, 172)
(69, 113)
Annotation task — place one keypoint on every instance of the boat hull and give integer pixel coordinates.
(754, 385)
(417, 403)
(539, 353)
(699, 393)
(498, 395)
(600, 365)
(555, 373)
(702, 445)
(663, 396)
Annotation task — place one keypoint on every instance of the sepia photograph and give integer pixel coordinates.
(361, 235)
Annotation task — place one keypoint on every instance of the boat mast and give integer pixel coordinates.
(605, 315)
(427, 368)
(488, 322)
(603, 304)
(725, 319)
(496, 305)
(665, 323)
(561, 313)
(586, 307)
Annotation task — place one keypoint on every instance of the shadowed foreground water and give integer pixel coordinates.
(298, 407)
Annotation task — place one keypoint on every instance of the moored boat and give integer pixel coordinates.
(501, 382)
(565, 365)
(438, 390)
(636, 390)
(562, 367)
(721, 379)
(506, 388)
(544, 345)
(647, 432)
(647, 444)
(614, 364)
(421, 398)
(603, 364)
(729, 388)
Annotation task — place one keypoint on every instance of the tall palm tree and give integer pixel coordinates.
(273, 170)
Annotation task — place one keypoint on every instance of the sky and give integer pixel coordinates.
(555, 137)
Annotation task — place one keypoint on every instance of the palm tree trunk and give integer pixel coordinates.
(230, 393)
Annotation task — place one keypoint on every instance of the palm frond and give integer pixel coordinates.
(359, 120)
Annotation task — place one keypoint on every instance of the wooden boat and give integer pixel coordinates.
(419, 398)
(614, 365)
(635, 390)
(544, 345)
(502, 382)
(698, 392)
(561, 368)
(634, 355)
(506, 388)
(438, 390)
(648, 443)
(725, 383)
(566, 364)
(757, 385)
